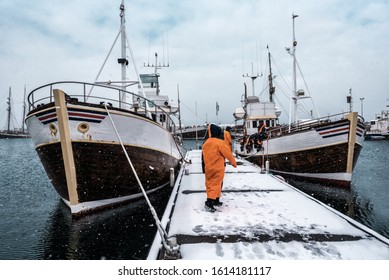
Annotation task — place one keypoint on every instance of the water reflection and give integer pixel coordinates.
(124, 232)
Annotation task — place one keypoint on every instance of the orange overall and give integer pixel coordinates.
(215, 151)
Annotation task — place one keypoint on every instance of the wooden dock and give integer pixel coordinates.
(262, 217)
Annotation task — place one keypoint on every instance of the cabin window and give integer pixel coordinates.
(255, 124)
(267, 122)
(162, 118)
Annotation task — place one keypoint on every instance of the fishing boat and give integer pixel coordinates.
(321, 150)
(378, 129)
(102, 144)
(13, 132)
(193, 132)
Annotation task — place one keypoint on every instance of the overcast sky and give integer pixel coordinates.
(209, 45)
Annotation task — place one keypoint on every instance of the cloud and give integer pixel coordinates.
(208, 44)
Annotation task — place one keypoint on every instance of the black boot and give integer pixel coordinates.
(209, 205)
(218, 202)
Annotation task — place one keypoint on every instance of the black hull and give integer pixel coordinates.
(303, 165)
(103, 172)
(192, 135)
(13, 135)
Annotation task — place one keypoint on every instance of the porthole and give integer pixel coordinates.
(83, 127)
(53, 128)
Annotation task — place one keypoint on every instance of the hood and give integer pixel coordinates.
(214, 131)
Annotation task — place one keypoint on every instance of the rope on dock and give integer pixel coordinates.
(169, 243)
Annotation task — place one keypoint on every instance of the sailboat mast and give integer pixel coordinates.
(294, 71)
(24, 108)
(9, 111)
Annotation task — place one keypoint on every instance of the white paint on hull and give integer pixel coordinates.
(134, 131)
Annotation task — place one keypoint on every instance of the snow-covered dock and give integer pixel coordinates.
(262, 218)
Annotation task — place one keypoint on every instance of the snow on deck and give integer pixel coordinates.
(262, 217)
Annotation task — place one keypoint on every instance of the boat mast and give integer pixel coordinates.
(295, 93)
(294, 71)
(24, 108)
(123, 60)
(272, 89)
(9, 111)
(253, 77)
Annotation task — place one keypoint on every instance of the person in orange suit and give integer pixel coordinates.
(260, 135)
(214, 154)
(227, 137)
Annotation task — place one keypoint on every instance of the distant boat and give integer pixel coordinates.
(378, 129)
(323, 150)
(87, 134)
(193, 132)
(9, 132)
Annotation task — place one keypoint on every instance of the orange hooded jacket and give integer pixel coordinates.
(227, 139)
(215, 151)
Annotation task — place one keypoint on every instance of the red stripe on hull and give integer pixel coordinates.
(334, 130)
(86, 115)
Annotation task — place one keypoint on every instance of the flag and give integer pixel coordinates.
(217, 108)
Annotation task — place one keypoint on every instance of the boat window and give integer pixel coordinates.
(255, 124)
(267, 122)
(162, 118)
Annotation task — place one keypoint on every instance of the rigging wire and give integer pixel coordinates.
(305, 83)
(301, 105)
(194, 113)
(164, 237)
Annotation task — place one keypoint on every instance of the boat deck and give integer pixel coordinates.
(262, 218)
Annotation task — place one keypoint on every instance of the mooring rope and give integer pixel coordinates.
(161, 230)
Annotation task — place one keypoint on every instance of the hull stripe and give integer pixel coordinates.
(331, 127)
(74, 115)
(334, 130)
(335, 134)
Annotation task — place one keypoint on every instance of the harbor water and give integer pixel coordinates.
(35, 223)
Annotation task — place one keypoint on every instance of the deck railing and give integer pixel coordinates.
(305, 125)
(98, 95)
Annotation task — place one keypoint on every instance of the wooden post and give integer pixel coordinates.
(353, 118)
(66, 145)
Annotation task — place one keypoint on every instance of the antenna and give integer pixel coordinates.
(157, 65)
(252, 76)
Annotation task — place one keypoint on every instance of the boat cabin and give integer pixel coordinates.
(151, 89)
(260, 112)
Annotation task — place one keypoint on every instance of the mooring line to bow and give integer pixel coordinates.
(169, 243)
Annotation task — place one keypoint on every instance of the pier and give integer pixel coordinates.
(262, 217)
